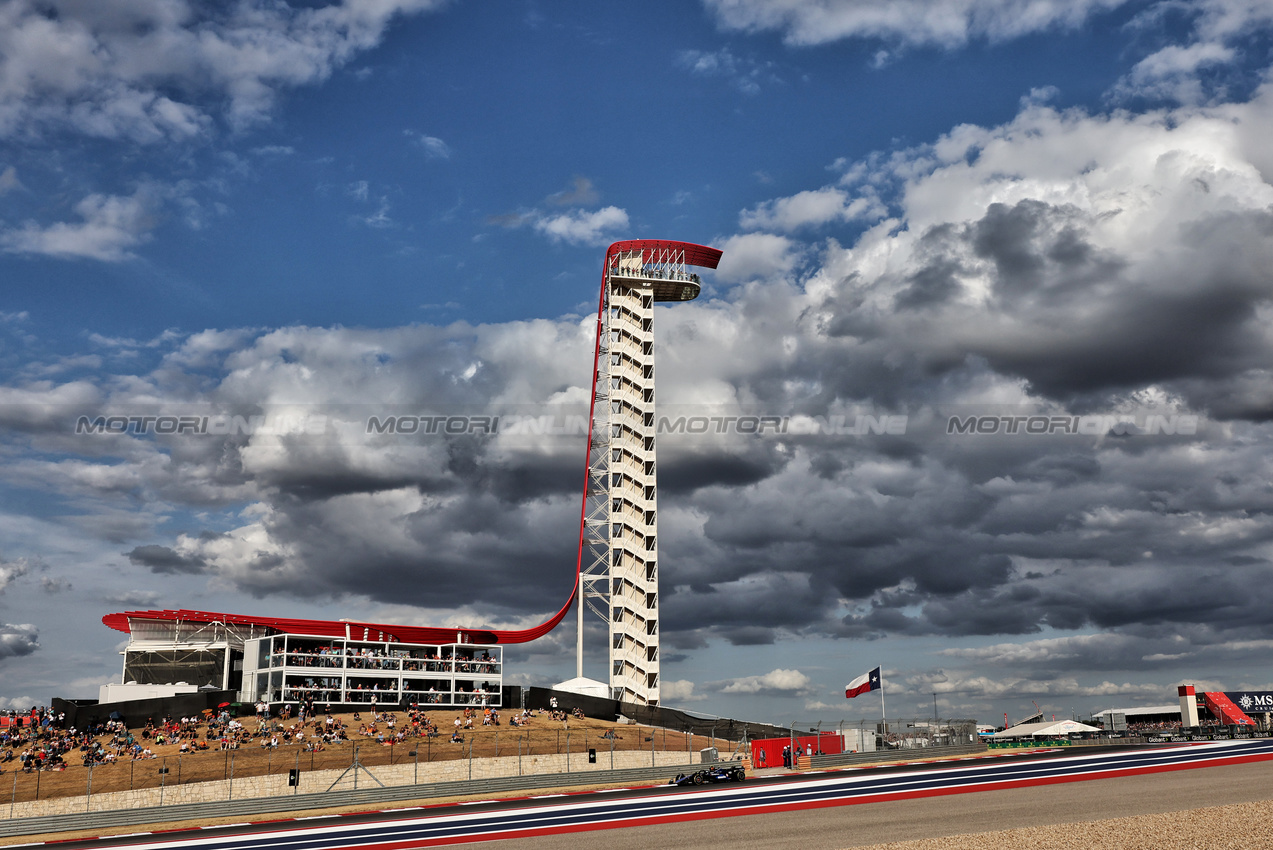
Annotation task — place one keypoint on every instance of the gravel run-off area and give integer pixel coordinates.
(1241, 826)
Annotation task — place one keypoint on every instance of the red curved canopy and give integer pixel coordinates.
(336, 628)
(695, 255)
(651, 251)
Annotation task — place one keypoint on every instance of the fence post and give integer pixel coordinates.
(471, 758)
(567, 751)
(88, 796)
(231, 774)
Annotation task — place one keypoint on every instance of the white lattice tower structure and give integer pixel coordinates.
(618, 551)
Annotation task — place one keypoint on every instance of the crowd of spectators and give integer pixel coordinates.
(1148, 727)
(332, 656)
(373, 691)
(37, 740)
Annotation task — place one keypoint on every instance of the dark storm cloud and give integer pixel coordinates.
(318, 484)
(18, 640)
(163, 559)
(1076, 321)
(1104, 327)
(937, 281)
(685, 472)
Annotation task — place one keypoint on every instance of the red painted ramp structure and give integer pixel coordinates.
(1223, 709)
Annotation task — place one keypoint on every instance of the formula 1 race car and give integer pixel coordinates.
(710, 775)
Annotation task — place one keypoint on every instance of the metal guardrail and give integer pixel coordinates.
(904, 754)
(329, 799)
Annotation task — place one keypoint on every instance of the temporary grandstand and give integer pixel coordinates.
(1205, 708)
(1138, 718)
(277, 660)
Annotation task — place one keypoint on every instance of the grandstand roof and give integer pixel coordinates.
(337, 628)
(1141, 710)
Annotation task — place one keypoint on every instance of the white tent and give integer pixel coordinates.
(1046, 729)
(584, 687)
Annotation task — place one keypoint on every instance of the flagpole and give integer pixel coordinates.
(883, 715)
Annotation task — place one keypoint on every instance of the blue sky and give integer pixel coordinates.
(928, 209)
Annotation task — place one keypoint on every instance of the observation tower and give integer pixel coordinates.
(618, 528)
(616, 572)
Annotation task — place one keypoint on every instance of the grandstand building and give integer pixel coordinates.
(328, 662)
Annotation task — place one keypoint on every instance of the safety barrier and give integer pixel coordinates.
(905, 754)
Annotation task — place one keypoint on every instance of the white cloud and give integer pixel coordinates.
(11, 571)
(110, 226)
(161, 71)
(746, 75)
(775, 681)
(54, 585)
(18, 703)
(756, 256)
(948, 23)
(433, 147)
(580, 193)
(988, 687)
(1172, 72)
(9, 181)
(680, 690)
(809, 209)
(580, 227)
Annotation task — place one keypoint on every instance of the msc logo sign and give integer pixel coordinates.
(1258, 701)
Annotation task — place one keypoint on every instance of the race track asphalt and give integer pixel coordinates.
(933, 817)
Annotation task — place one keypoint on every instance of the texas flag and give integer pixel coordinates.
(862, 684)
